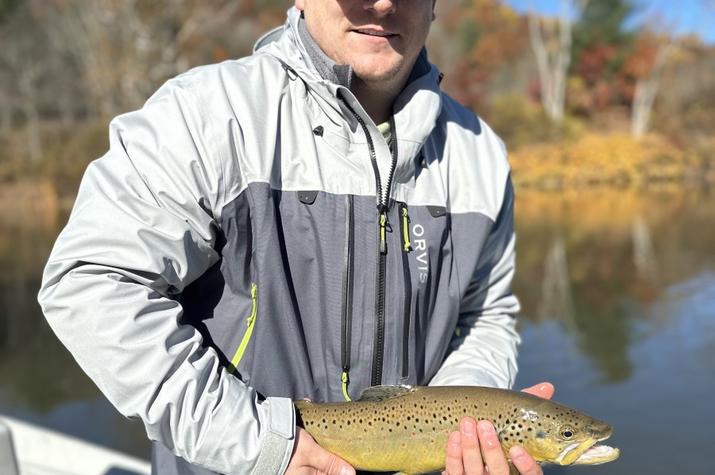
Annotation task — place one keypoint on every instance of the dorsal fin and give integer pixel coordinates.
(382, 393)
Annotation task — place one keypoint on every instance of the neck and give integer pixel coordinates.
(377, 98)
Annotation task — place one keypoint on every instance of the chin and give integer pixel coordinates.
(377, 70)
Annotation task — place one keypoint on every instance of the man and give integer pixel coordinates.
(253, 237)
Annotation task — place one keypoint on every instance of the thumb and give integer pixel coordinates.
(330, 464)
(544, 390)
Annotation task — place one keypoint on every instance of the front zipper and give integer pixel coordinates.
(347, 316)
(383, 202)
(250, 323)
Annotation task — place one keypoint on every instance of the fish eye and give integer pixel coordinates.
(566, 432)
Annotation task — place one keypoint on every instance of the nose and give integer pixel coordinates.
(381, 7)
(600, 430)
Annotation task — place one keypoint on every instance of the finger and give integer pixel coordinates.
(329, 463)
(544, 390)
(492, 453)
(471, 456)
(524, 462)
(453, 462)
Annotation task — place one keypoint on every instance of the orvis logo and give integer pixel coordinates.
(419, 246)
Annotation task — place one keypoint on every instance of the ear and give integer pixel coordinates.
(300, 4)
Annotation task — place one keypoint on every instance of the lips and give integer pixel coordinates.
(375, 32)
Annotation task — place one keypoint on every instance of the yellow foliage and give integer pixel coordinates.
(595, 159)
(29, 204)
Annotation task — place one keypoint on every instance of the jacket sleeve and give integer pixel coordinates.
(483, 349)
(141, 230)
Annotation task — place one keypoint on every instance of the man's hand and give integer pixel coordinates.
(475, 448)
(310, 459)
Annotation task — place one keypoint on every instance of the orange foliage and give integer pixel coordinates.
(639, 64)
(498, 38)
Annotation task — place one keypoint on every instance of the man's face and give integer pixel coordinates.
(380, 39)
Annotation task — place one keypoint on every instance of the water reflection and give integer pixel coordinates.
(594, 254)
(39, 380)
(617, 289)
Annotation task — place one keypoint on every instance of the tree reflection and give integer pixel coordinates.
(600, 257)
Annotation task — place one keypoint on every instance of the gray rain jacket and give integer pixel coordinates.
(250, 238)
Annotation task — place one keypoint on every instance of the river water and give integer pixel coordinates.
(618, 297)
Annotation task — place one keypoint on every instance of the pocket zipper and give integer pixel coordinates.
(250, 322)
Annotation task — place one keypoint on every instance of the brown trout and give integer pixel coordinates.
(405, 429)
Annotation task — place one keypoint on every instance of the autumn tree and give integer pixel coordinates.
(23, 69)
(644, 68)
(471, 42)
(552, 41)
(601, 42)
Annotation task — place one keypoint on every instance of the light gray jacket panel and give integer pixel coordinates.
(199, 192)
(141, 230)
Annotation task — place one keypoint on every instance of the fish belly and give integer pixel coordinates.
(408, 453)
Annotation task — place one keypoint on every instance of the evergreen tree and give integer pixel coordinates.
(7, 7)
(601, 29)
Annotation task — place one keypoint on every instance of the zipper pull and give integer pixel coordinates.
(383, 231)
(407, 247)
(345, 379)
(254, 295)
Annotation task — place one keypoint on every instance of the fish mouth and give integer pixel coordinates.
(588, 452)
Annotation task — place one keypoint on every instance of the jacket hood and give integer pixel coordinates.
(415, 109)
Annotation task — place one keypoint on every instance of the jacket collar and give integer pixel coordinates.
(415, 110)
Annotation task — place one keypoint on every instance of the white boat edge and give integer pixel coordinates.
(41, 451)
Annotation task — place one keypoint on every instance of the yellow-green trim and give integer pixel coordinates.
(406, 230)
(250, 322)
(345, 380)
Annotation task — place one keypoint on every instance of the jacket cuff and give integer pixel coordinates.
(277, 446)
